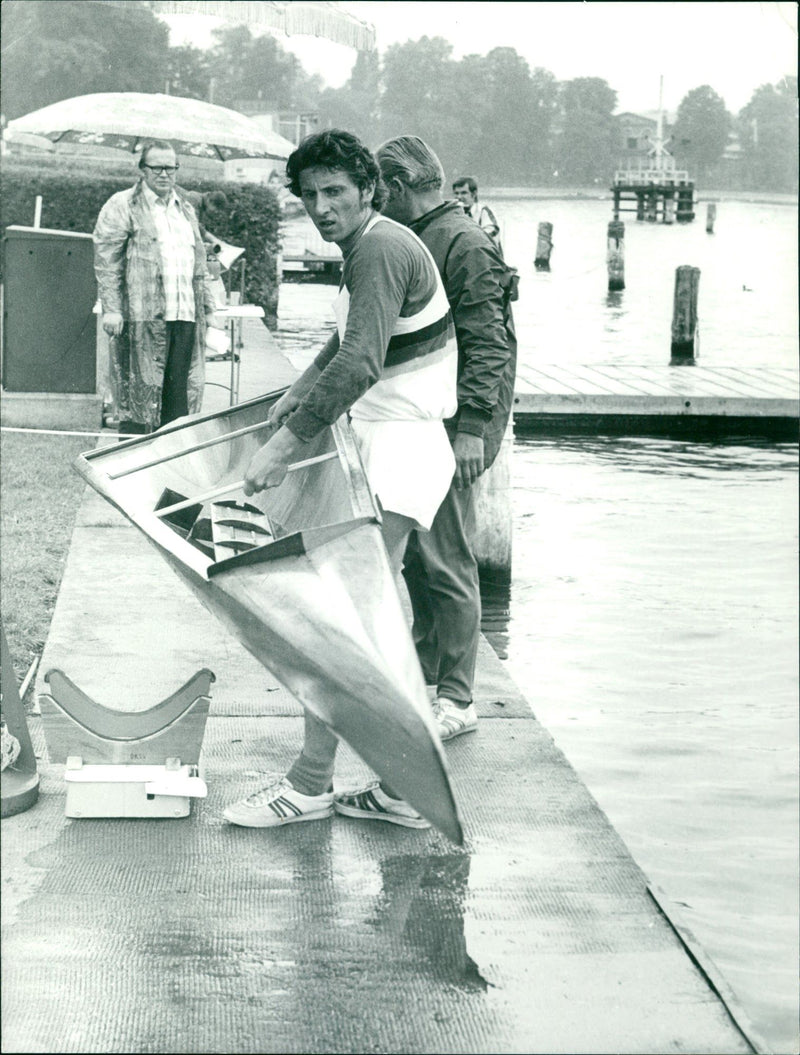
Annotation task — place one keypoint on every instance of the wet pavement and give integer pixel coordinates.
(341, 935)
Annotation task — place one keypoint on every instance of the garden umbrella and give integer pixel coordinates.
(124, 119)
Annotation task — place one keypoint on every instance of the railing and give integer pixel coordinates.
(637, 177)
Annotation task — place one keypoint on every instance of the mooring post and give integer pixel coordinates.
(617, 197)
(711, 215)
(615, 255)
(544, 245)
(685, 203)
(685, 336)
(491, 541)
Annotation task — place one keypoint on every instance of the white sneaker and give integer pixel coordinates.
(373, 804)
(453, 720)
(278, 804)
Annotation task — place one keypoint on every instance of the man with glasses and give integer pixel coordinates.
(153, 284)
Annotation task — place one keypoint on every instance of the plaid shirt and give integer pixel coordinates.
(176, 242)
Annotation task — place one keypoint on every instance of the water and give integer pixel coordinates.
(748, 312)
(652, 620)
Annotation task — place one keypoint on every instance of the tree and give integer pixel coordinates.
(587, 142)
(247, 67)
(188, 72)
(61, 48)
(768, 134)
(700, 133)
(355, 105)
(416, 100)
(503, 146)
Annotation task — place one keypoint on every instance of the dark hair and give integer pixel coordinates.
(334, 149)
(470, 183)
(153, 144)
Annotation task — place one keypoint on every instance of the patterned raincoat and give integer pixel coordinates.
(127, 263)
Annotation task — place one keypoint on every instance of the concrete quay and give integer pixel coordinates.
(191, 935)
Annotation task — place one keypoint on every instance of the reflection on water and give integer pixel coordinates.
(422, 903)
(652, 624)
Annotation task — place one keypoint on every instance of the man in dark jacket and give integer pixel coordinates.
(440, 567)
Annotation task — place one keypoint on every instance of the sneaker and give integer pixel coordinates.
(452, 720)
(278, 804)
(373, 804)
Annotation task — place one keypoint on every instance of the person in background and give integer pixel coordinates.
(440, 567)
(391, 362)
(466, 190)
(152, 280)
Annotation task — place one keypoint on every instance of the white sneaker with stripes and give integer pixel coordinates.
(278, 804)
(373, 804)
(452, 720)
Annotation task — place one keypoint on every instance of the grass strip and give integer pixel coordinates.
(40, 494)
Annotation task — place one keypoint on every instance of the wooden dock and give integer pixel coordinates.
(703, 401)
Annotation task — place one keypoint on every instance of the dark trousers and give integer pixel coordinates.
(174, 394)
(441, 574)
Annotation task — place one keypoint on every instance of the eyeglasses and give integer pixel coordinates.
(168, 169)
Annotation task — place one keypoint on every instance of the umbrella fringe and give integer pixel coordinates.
(312, 19)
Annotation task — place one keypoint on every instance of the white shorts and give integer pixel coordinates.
(409, 465)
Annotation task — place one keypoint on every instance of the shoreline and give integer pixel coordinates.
(598, 194)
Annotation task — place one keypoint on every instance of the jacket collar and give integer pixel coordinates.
(446, 207)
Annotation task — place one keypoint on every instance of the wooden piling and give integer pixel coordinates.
(711, 215)
(617, 201)
(651, 211)
(544, 246)
(685, 336)
(685, 212)
(615, 255)
(669, 208)
(639, 205)
(491, 540)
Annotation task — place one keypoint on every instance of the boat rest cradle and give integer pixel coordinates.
(127, 764)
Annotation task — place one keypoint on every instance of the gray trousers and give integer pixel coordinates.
(441, 574)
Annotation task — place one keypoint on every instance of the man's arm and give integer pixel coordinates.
(473, 275)
(110, 238)
(378, 277)
(378, 280)
(291, 399)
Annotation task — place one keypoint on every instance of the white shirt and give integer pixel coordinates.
(176, 243)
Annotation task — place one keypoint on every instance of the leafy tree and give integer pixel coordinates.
(61, 48)
(700, 133)
(415, 100)
(768, 134)
(188, 72)
(503, 147)
(247, 67)
(587, 142)
(355, 105)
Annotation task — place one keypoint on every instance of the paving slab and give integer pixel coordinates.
(191, 935)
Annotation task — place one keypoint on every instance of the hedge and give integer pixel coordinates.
(71, 201)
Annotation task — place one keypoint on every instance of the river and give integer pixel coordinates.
(652, 620)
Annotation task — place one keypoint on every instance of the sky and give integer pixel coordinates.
(734, 47)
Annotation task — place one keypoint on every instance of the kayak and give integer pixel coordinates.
(298, 573)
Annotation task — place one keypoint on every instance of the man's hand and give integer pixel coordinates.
(113, 323)
(282, 408)
(468, 450)
(269, 465)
